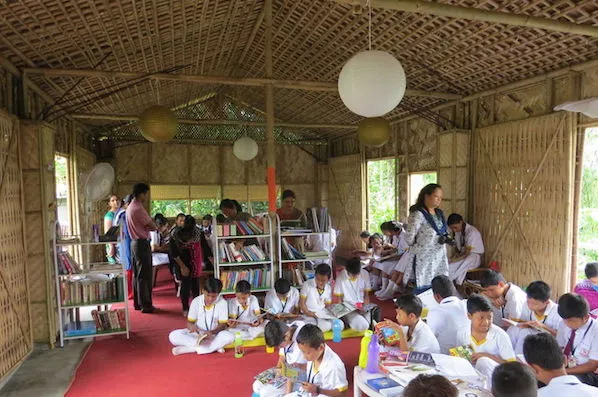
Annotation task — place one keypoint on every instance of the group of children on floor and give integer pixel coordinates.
(503, 326)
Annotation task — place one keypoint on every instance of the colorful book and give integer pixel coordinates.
(381, 383)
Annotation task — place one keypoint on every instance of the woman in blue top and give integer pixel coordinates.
(124, 246)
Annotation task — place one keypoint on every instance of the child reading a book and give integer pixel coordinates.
(290, 359)
(541, 315)
(326, 373)
(508, 300)
(578, 336)
(418, 337)
(206, 324)
(514, 379)
(353, 287)
(244, 312)
(283, 300)
(489, 344)
(316, 295)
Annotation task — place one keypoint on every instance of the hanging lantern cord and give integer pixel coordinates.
(370, 25)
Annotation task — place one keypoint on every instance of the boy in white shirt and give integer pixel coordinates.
(449, 316)
(490, 344)
(578, 336)
(353, 287)
(508, 300)
(208, 314)
(418, 336)
(283, 300)
(543, 354)
(316, 295)
(244, 312)
(513, 379)
(541, 314)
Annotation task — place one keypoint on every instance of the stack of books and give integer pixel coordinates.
(240, 228)
(290, 252)
(66, 264)
(229, 253)
(317, 219)
(109, 320)
(258, 278)
(87, 291)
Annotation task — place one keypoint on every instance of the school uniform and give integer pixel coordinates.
(567, 386)
(497, 342)
(275, 305)
(158, 258)
(352, 290)
(316, 302)
(470, 238)
(330, 375)
(246, 314)
(423, 339)
(584, 347)
(446, 319)
(550, 318)
(390, 265)
(514, 308)
(206, 318)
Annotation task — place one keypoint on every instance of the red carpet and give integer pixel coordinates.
(144, 366)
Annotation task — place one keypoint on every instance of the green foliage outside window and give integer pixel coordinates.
(169, 208)
(381, 193)
(588, 212)
(199, 208)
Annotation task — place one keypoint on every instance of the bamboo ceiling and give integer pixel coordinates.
(311, 41)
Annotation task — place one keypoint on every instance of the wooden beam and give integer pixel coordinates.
(477, 14)
(111, 117)
(239, 81)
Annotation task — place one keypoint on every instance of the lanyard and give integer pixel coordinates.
(205, 317)
(532, 315)
(321, 292)
(582, 338)
(288, 350)
(309, 378)
(244, 310)
(285, 304)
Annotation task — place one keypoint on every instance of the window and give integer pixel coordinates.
(381, 191)
(416, 183)
(202, 207)
(63, 210)
(588, 210)
(169, 208)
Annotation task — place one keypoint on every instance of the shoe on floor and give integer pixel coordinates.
(149, 310)
(221, 350)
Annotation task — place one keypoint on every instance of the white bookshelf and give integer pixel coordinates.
(265, 242)
(70, 314)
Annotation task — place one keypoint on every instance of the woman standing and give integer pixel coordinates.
(124, 247)
(288, 212)
(114, 205)
(426, 234)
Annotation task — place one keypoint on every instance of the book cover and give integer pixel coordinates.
(381, 383)
(421, 358)
(462, 351)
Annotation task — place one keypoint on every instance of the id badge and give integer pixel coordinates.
(571, 362)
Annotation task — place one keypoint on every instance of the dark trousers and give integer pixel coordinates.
(589, 379)
(189, 286)
(142, 268)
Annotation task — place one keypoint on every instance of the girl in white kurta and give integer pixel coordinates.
(470, 249)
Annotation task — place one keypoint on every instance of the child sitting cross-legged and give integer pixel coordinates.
(353, 287)
(490, 344)
(326, 373)
(244, 312)
(284, 336)
(418, 336)
(207, 316)
(316, 295)
(282, 301)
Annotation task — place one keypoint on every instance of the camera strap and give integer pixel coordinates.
(442, 231)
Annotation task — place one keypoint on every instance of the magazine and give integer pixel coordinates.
(462, 351)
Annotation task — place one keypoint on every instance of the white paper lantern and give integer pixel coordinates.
(245, 148)
(372, 83)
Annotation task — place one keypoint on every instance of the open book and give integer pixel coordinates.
(201, 338)
(339, 310)
(518, 324)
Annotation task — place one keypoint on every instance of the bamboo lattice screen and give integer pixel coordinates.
(523, 186)
(15, 326)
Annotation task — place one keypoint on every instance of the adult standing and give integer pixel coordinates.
(469, 248)
(288, 211)
(140, 224)
(426, 233)
(124, 246)
(113, 207)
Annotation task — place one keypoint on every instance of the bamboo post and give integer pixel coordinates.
(270, 144)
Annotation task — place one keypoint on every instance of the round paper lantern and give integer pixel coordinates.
(372, 83)
(158, 124)
(374, 131)
(245, 148)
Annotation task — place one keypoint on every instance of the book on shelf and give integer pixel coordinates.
(250, 227)
(289, 252)
(85, 290)
(230, 253)
(109, 320)
(66, 264)
(258, 278)
(317, 219)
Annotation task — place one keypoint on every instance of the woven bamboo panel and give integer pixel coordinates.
(15, 332)
(233, 171)
(589, 83)
(527, 102)
(205, 164)
(535, 243)
(256, 168)
(131, 162)
(295, 166)
(169, 163)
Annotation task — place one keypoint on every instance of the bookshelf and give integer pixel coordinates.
(81, 286)
(243, 251)
(317, 232)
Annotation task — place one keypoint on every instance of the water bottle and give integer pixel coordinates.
(239, 349)
(373, 356)
(363, 351)
(337, 328)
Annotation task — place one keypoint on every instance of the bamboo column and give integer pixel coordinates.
(270, 144)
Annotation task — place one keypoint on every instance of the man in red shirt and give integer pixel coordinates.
(140, 224)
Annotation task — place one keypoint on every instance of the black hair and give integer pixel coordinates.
(127, 199)
(220, 218)
(490, 278)
(385, 226)
(430, 386)
(160, 220)
(243, 287)
(591, 270)
(179, 215)
(227, 203)
(282, 286)
(207, 217)
(189, 224)
(443, 286)
(513, 379)
(391, 226)
(139, 189)
(573, 306)
(213, 285)
(539, 291)
(288, 193)
(375, 236)
(353, 266)
(543, 350)
(478, 303)
(454, 219)
(311, 336)
(323, 270)
(237, 206)
(421, 197)
(364, 234)
(410, 304)
(274, 332)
